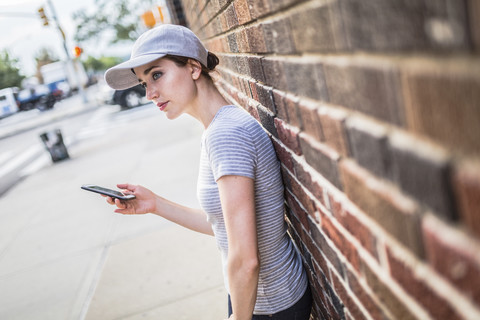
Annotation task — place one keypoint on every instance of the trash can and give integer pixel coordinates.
(53, 141)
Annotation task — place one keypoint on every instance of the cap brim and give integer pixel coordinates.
(121, 76)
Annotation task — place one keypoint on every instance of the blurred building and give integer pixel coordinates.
(374, 110)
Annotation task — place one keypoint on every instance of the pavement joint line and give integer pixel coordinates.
(173, 301)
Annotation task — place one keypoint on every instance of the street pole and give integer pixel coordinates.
(81, 91)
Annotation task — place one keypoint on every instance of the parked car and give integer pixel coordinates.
(8, 102)
(36, 97)
(127, 99)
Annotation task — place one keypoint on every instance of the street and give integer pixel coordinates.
(64, 254)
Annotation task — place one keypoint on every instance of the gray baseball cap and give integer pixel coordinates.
(166, 39)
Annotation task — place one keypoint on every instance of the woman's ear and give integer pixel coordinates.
(196, 68)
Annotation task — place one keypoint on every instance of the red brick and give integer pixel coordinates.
(297, 209)
(291, 104)
(437, 306)
(283, 155)
(474, 18)
(256, 39)
(458, 261)
(341, 242)
(356, 228)
(333, 125)
(384, 294)
(258, 8)
(308, 182)
(344, 295)
(280, 105)
(364, 297)
(384, 204)
(308, 113)
(466, 184)
(242, 40)
(243, 13)
(329, 254)
(321, 158)
(231, 17)
(288, 135)
(430, 95)
(372, 90)
(303, 197)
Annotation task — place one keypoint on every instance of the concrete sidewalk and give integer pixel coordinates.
(64, 254)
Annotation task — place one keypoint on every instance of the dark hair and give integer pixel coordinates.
(212, 62)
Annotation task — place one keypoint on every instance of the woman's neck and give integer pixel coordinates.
(207, 103)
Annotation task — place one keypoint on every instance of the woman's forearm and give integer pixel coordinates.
(193, 219)
(243, 282)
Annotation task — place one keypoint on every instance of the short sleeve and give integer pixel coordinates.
(231, 151)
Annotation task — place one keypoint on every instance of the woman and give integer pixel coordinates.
(239, 187)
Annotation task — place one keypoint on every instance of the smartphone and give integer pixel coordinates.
(108, 192)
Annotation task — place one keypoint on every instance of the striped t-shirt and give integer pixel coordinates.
(235, 144)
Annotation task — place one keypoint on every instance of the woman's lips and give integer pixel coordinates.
(162, 105)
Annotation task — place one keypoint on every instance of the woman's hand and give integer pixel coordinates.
(144, 202)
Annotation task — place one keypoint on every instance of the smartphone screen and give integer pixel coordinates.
(108, 192)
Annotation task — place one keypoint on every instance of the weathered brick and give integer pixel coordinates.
(430, 96)
(256, 39)
(369, 146)
(308, 113)
(306, 78)
(384, 294)
(280, 105)
(283, 155)
(258, 8)
(314, 28)
(277, 37)
(274, 72)
(291, 104)
(300, 213)
(341, 242)
(242, 40)
(474, 19)
(370, 89)
(232, 42)
(364, 297)
(437, 306)
(267, 120)
(358, 229)
(466, 184)
(256, 70)
(243, 13)
(405, 25)
(288, 135)
(321, 158)
(345, 297)
(265, 97)
(231, 16)
(423, 172)
(384, 204)
(322, 244)
(333, 127)
(457, 261)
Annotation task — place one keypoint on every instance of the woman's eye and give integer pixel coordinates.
(156, 75)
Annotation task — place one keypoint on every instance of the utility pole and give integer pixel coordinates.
(67, 52)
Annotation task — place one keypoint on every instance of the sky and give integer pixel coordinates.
(24, 35)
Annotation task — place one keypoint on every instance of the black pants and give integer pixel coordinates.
(299, 311)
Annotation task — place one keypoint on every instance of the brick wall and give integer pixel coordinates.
(374, 110)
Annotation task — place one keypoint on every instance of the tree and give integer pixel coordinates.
(122, 17)
(44, 56)
(101, 64)
(9, 72)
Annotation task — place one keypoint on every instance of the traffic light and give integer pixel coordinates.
(149, 19)
(77, 51)
(152, 17)
(44, 18)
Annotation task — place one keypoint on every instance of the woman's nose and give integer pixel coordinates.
(150, 93)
